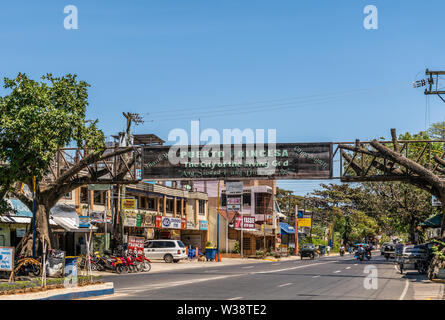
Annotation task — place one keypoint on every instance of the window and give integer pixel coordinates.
(178, 206)
(246, 199)
(99, 197)
(169, 244)
(151, 203)
(83, 195)
(201, 209)
(223, 200)
(181, 245)
(142, 203)
(169, 206)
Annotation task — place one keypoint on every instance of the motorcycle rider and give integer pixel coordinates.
(342, 250)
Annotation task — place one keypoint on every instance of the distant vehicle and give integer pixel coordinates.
(167, 250)
(413, 257)
(307, 250)
(388, 250)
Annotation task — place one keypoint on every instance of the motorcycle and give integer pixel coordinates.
(26, 266)
(142, 263)
(368, 255)
(113, 263)
(342, 252)
(359, 256)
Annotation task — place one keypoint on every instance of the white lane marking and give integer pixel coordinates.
(402, 296)
(212, 270)
(285, 284)
(235, 298)
(355, 264)
(316, 276)
(247, 267)
(337, 271)
(299, 267)
(348, 267)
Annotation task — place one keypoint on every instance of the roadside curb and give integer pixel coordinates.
(65, 294)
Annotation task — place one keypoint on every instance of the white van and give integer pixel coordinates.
(167, 250)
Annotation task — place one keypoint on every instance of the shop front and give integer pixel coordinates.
(169, 227)
(195, 235)
(138, 223)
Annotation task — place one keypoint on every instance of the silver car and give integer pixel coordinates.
(167, 250)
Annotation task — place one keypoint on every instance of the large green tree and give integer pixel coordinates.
(36, 119)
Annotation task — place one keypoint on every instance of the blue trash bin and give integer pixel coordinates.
(211, 253)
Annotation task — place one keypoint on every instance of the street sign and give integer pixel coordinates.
(290, 161)
(245, 222)
(84, 221)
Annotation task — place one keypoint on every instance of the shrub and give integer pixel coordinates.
(236, 248)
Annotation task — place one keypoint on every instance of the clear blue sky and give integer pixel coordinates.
(324, 76)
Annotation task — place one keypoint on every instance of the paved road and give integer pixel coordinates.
(324, 278)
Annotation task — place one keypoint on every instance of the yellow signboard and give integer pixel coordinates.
(129, 204)
(304, 222)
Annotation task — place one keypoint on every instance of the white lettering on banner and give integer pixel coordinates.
(249, 222)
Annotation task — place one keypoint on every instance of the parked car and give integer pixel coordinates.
(167, 250)
(308, 250)
(413, 257)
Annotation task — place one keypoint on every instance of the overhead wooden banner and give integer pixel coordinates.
(210, 162)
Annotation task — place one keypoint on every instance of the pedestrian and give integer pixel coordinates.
(328, 249)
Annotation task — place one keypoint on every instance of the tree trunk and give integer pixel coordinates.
(442, 225)
(42, 233)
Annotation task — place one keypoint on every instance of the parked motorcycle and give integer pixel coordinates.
(368, 255)
(142, 263)
(27, 266)
(342, 252)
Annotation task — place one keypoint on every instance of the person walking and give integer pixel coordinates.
(328, 249)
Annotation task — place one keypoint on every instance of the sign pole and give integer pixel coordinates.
(242, 234)
(217, 228)
(296, 229)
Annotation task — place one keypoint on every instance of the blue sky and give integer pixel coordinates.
(307, 68)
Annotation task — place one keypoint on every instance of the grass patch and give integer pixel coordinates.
(26, 286)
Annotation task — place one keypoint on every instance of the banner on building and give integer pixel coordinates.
(191, 225)
(173, 223)
(84, 222)
(247, 222)
(234, 200)
(129, 204)
(136, 245)
(234, 207)
(203, 225)
(236, 162)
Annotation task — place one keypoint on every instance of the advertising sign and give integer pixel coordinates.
(234, 187)
(248, 222)
(158, 222)
(129, 204)
(306, 221)
(233, 200)
(20, 232)
(84, 221)
(234, 207)
(203, 225)
(98, 187)
(136, 244)
(171, 223)
(6, 258)
(130, 219)
(235, 162)
(191, 225)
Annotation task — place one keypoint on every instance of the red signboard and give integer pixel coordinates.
(136, 244)
(248, 222)
(183, 223)
(158, 221)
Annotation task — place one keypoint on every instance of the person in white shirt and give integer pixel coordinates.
(328, 249)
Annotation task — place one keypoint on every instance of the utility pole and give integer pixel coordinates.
(432, 83)
(296, 229)
(125, 140)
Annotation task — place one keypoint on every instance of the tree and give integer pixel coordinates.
(418, 163)
(36, 120)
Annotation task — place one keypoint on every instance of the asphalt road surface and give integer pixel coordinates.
(330, 278)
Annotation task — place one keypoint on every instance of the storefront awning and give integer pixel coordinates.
(19, 207)
(19, 219)
(65, 216)
(433, 222)
(286, 228)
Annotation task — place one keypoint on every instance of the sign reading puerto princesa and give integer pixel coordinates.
(239, 161)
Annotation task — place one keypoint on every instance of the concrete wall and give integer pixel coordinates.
(213, 222)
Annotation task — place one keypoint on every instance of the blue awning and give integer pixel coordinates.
(286, 228)
(20, 208)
